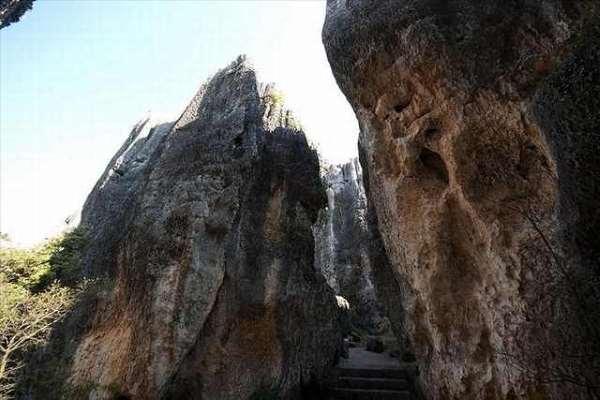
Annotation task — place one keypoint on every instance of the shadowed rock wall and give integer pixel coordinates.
(205, 229)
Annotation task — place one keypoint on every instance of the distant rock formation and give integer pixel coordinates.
(205, 227)
(479, 136)
(11, 11)
(342, 251)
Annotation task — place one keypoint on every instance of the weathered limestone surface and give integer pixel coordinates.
(11, 11)
(341, 240)
(110, 205)
(478, 120)
(205, 229)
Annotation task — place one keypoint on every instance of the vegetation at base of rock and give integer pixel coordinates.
(25, 322)
(37, 268)
(39, 286)
(275, 98)
(49, 366)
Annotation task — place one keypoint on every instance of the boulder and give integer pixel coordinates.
(479, 121)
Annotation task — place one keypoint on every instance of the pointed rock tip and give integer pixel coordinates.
(151, 119)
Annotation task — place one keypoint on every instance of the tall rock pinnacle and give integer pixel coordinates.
(478, 120)
(203, 227)
(11, 11)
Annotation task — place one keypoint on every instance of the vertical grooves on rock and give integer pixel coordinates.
(463, 186)
(212, 255)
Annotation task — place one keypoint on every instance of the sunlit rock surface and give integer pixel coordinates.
(478, 120)
(341, 239)
(204, 226)
(111, 204)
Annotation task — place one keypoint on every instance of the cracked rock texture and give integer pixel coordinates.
(11, 11)
(205, 227)
(341, 239)
(479, 138)
(110, 205)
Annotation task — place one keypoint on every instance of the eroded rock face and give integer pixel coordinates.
(110, 205)
(11, 11)
(341, 239)
(474, 141)
(216, 295)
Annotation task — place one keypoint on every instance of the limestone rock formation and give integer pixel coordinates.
(479, 136)
(204, 226)
(110, 205)
(341, 239)
(12, 10)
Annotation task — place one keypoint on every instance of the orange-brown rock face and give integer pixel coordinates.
(471, 174)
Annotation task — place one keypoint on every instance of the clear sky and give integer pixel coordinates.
(75, 75)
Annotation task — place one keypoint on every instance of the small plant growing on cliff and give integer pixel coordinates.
(275, 98)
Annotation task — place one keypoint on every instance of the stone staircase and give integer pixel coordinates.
(365, 376)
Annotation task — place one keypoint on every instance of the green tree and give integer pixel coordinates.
(36, 269)
(25, 322)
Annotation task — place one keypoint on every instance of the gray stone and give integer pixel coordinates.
(479, 137)
(11, 11)
(205, 228)
(342, 251)
(110, 205)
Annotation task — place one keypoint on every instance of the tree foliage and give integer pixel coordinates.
(25, 321)
(38, 288)
(36, 269)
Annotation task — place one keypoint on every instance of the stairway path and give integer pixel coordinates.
(372, 376)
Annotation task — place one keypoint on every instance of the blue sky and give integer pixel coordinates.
(75, 75)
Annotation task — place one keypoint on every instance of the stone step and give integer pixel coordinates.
(370, 394)
(372, 383)
(372, 373)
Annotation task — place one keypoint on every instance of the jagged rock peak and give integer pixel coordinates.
(11, 11)
(341, 245)
(204, 228)
(261, 98)
(478, 120)
(111, 200)
(275, 112)
(232, 97)
(338, 176)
